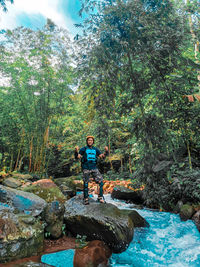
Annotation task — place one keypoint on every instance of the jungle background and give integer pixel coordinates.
(131, 79)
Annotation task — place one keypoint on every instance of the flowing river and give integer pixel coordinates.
(167, 242)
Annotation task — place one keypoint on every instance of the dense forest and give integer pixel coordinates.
(131, 79)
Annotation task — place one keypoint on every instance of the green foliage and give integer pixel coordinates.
(64, 229)
(37, 66)
(81, 241)
(47, 234)
(135, 62)
(188, 183)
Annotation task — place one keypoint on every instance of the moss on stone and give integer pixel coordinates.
(186, 212)
(68, 181)
(48, 194)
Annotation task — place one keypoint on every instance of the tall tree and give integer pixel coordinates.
(37, 66)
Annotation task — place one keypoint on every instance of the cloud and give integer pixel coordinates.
(34, 8)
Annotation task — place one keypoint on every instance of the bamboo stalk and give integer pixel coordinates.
(196, 44)
(46, 137)
(36, 156)
(130, 165)
(189, 156)
(20, 163)
(19, 151)
(111, 166)
(11, 161)
(30, 155)
(121, 164)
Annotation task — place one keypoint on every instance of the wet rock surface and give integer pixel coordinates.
(137, 219)
(99, 221)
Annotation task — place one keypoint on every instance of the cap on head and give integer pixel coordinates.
(89, 136)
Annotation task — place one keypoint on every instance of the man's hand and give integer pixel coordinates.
(105, 153)
(77, 155)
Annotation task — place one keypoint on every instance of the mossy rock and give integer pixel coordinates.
(67, 181)
(21, 236)
(186, 212)
(21, 176)
(49, 194)
(12, 182)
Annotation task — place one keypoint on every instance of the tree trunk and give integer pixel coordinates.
(30, 155)
(196, 44)
(130, 165)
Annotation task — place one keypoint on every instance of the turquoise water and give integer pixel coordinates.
(59, 259)
(167, 242)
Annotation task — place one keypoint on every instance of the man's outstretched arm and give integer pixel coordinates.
(76, 154)
(103, 155)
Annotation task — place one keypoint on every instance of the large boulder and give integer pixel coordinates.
(99, 221)
(124, 193)
(96, 253)
(21, 235)
(22, 201)
(46, 189)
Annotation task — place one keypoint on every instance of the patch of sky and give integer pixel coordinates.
(71, 9)
(34, 22)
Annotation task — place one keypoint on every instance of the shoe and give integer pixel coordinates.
(86, 201)
(101, 199)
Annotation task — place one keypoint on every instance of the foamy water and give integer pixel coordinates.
(167, 242)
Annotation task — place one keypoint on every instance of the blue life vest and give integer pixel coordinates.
(89, 159)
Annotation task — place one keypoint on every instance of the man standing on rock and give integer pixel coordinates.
(88, 156)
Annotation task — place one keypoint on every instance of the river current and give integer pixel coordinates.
(167, 242)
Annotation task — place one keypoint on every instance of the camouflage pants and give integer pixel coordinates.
(95, 173)
(98, 178)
